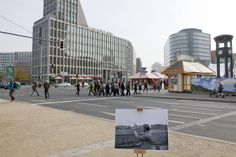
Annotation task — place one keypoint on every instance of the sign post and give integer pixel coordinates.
(9, 73)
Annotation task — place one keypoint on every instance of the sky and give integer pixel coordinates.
(146, 23)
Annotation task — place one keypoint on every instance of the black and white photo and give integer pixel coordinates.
(147, 129)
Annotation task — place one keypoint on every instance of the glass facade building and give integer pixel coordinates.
(87, 51)
(191, 42)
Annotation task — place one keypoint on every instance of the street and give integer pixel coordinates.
(215, 120)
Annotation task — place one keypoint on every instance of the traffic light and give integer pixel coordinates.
(61, 44)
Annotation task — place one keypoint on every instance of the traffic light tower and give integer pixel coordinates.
(224, 50)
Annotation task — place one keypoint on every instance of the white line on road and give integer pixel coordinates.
(163, 102)
(181, 111)
(202, 137)
(175, 128)
(177, 105)
(89, 104)
(212, 114)
(175, 115)
(111, 114)
(174, 121)
(194, 108)
(68, 101)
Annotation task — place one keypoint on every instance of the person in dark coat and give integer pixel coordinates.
(112, 88)
(78, 88)
(145, 86)
(122, 87)
(91, 89)
(128, 88)
(107, 88)
(11, 90)
(139, 88)
(46, 86)
(135, 87)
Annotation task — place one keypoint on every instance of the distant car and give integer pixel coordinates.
(1, 85)
(63, 84)
(4, 85)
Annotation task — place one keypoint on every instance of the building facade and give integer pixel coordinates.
(6, 59)
(86, 51)
(138, 65)
(20, 62)
(192, 42)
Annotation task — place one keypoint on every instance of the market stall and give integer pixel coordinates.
(181, 74)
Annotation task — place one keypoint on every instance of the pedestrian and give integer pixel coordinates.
(78, 88)
(117, 88)
(46, 86)
(128, 88)
(34, 88)
(112, 89)
(101, 89)
(91, 89)
(12, 87)
(154, 85)
(145, 86)
(135, 87)
(139, 88)
(107, 88)
(122, 87)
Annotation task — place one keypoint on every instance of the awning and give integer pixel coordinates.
(160, 76)
(143, 76)
(187, 67)
(58, 78)
(73, 78)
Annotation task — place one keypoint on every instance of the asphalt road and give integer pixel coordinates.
(207, 119)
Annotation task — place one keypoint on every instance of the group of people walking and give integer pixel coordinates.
(114, 88)
(97, 88)
(46, 86)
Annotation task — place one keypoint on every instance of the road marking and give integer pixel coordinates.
(176, 128)
(172, 104)
(111, 114)
(92, 104)
(194, 108)
(204, 138)
(175, 115)
(68, 101)
(212, 114)
(173, 109)
(163, 102)
(174, 121)
(85, 150)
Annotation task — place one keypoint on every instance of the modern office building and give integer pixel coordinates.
(189, 42)
(63, 44)
(138, 65)
(6, 59)
(23, 60)
(18, 61)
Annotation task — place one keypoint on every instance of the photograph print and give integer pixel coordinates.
(147, 129)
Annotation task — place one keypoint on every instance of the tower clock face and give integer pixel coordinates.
(220, 52)
(229, 52)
